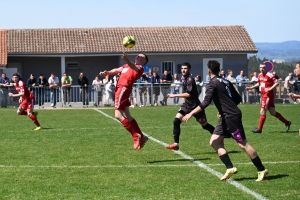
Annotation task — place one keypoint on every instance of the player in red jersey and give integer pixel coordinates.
(267, 82)
(129, 73)
(26, 100)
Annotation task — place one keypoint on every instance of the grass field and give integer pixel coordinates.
(86, 154)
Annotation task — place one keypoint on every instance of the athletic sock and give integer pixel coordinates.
(262, 120)
(258, 164)
(176, 130)
(34, 119)
(226, 160)
(279, 116)
(129, 126)
(209, 128)
(136, 127)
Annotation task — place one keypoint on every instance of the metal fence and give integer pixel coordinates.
(142, 95)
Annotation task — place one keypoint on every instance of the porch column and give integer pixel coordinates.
(62, 65)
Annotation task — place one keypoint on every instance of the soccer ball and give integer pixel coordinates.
(129, 41)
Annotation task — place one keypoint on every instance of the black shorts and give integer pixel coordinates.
(200, 116)
(228, 125)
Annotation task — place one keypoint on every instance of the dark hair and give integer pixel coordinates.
(214, 66)
(146, 57)
(18, 75)
(186, 64)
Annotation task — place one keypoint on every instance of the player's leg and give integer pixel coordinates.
(201, 119)
(22, 110)
(176, 130)
(32, 115)
(263, 116)
(273, 112)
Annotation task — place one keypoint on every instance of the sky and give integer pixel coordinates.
(265, 20)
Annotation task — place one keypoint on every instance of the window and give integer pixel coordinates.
(72, 65)
(178, 69)
(168, 65)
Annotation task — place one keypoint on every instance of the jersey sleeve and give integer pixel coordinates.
(189, 85)
(208, 96)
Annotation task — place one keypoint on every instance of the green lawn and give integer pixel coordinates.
(83, 154)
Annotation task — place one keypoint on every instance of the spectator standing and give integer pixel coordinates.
(267, 83)
(156, 88)
(241, 80)
(165, 80)
(278, 79)
(31, 84)
(150, 82)
(107, 82)
(83, 81)
(199, 84)
(290, 85)
(53, 85)
(4, 83)
(175, 88)
(42, 84)
(142, 88)
(254, 80)
(297, 74)
(66, 83)
(97, 90)
(222, 73)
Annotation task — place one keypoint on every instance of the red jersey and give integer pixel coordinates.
(21, 87)
(266, 81)
(129, 76)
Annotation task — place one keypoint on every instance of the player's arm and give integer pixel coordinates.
(130, 64)
(111, 72)
(20, 94)
(294, 96)
(271, 88)
(252, 87)
(183, 95)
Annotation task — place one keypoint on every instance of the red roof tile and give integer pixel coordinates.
(149, 39)
(3, 48)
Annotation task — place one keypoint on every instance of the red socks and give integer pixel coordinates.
(262, 120)
(132, 126)
(34, 119)
(279, 116)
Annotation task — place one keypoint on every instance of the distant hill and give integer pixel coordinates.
(288, 51)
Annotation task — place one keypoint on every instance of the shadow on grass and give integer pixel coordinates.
(213, 152)
(178, 160)
(266, 178)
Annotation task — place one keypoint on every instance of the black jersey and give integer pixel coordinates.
(189, 86)
(224, 95)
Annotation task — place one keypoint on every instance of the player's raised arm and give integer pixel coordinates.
(111, 72)
(130, 64)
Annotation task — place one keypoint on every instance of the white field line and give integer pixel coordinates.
(202, 165)
(133, 166)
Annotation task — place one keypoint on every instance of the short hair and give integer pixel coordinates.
(146, 57)
(41, 74)
(186, 64)
(214, 66)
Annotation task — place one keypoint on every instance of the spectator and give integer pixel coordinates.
(254, 80)
(4, 82)
(150, 82)
(241, 79)
(142, 88)
(84, 89)
(207, 78)
(222, 73)
(290, 85)
(156, 87)
(108, 90)
(199, 84)
(42, 83)
(97, 90)
(297, 74)
(31, 83)
(277, 77)
(175, 88)
(53, 85)
(230, 76)
(133, 96)
(66, 83)
(165, 80)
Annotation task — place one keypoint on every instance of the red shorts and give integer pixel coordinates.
(267, 101)
(27, 104)
(122, 95)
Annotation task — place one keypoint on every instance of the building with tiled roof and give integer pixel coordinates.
(94, 49)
